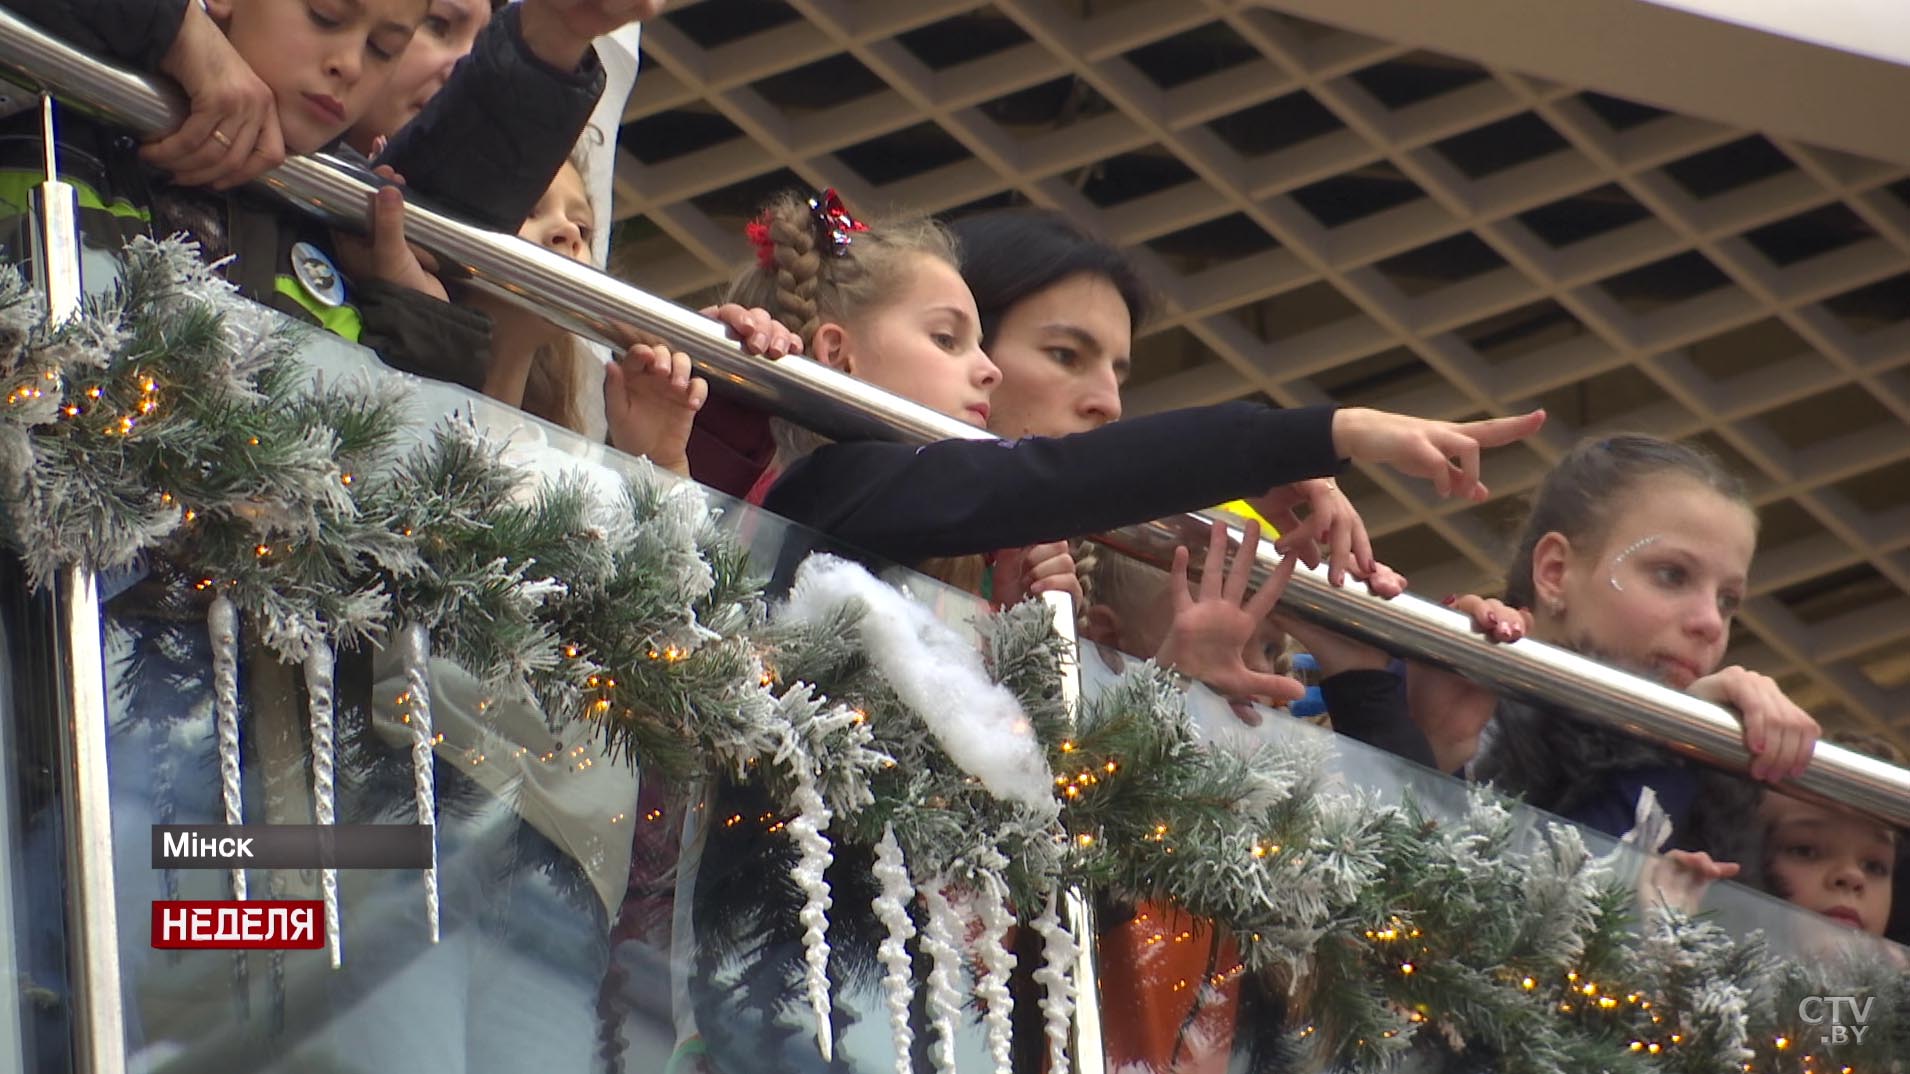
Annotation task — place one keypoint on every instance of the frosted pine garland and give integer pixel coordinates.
(891, 906)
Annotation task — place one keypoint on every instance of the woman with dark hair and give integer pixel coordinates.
(1059, 308)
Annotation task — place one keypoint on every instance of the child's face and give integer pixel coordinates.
(924, 344)
(1659, 593)
(562, 219)
(327, 61)
(449, 30)
(1830, 861)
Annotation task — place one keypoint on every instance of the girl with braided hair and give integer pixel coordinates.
(887, 304)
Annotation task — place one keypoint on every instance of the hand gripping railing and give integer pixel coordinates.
(612, 311)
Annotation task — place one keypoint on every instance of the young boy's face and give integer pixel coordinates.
(1830, 861)
(327, 61)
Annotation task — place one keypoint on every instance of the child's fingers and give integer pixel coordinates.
(616, 400)
(1465, 452)
(1362, 543)
(1177, 576)
(388, 248)
(1384, 581)
(1498, 432)
(1051, 566)
(750, 327)
(680, 371)
(699, 393)
(1240, 573)
(1214, 569)
(1303, 539)
(1068, 583)
(1340, 552)
(1278, 689)
(640, 359)
(1268, 595)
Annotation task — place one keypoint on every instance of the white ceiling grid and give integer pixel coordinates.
(1675, 319)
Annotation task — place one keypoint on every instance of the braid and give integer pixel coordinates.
(798, 268)
(805, 283)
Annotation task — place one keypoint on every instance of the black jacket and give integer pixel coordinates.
(489, 143)
(133, 32)
(1369, 705)
(1565, 764)
(904, 504)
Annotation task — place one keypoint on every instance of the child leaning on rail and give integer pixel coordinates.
(1836, 862)
(1636, 553)
(887, 304)
(650, 399)
(268, 77)
(1830, 860)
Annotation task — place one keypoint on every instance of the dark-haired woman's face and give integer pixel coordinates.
(1063, 353)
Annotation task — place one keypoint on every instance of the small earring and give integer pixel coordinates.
(1555, 606)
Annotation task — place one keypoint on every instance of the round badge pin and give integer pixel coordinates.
(317, 275)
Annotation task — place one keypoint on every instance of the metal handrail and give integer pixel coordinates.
(613, 311)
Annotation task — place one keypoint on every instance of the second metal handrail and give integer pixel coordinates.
(612, 311)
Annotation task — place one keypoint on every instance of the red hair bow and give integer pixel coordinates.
(834, 221)
(758, 232)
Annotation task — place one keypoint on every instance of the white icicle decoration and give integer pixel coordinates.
(319, 665)
(1056, 978)
(998, 964)
(944, 1002)
(891, 907)
(811, 820)
(415, 653)
(223, 621)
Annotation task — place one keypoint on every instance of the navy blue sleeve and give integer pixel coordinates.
(490, 142)
(1613, 808)
(133, 32)
(1370, 705)
(961, 497)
